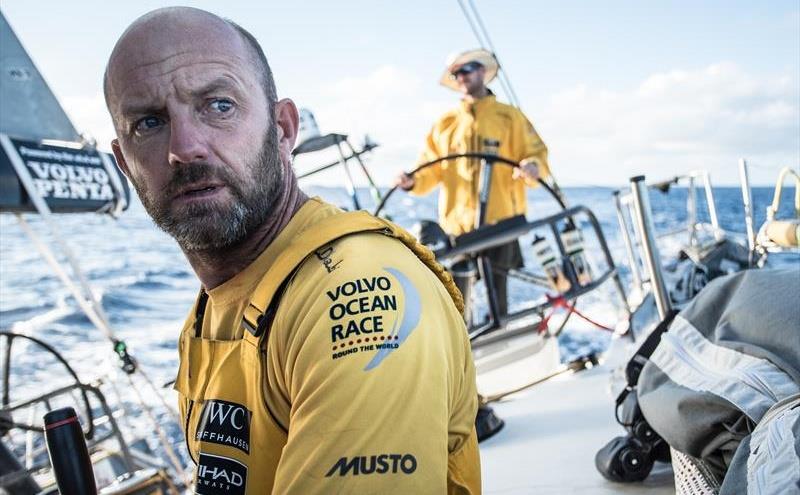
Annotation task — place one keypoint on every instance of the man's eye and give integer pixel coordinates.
(147, 123)
(221, 105)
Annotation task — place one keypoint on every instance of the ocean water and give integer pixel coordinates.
(146, 287)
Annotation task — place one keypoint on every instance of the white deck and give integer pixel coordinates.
(550, 438)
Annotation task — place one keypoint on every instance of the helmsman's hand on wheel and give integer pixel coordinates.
(404, 181)
(528, 169)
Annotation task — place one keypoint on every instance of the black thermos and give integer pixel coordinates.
(68, 453)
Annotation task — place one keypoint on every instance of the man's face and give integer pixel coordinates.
(470, 78)
(195, 134)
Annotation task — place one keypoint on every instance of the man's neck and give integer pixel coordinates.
(215, 268)
(476, 95)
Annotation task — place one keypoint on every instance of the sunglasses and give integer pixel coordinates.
(467, 68)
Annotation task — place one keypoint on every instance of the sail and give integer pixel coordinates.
(29, 110)
(69, 176)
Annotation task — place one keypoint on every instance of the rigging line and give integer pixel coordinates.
(169, 450)
(511, 93)
(482, 35)
(471, 23)
(481, 25)
(484, 41)
(504, 77)
(504, 82)
(473, 18)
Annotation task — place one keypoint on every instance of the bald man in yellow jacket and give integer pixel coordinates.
(466, 129)
(326, 352)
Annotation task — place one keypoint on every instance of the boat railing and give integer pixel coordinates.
(761, 243)
(22, 427)
(699, 234)
(104, 425)
(474, 242)
(107, 444)
(332, 140)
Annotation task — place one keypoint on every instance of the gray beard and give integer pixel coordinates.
(212, 227)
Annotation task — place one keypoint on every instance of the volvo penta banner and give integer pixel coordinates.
(69, 179)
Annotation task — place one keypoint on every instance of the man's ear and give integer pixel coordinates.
(287, 120)
(121, 163)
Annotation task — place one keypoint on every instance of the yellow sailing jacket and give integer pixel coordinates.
(464, 130)
(360, 381)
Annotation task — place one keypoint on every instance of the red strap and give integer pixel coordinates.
(560, 302)
(73, 419)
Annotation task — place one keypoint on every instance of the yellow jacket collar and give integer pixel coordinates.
(488, 100)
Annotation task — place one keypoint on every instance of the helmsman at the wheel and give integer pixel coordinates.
(478, 124)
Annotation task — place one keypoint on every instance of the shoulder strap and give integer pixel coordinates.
(260, 310)
(265, 299)
(646, 349)
(636, 363)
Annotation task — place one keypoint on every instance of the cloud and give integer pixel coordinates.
(673, 122)
(668, 123)
(89, 115)
(391, 104)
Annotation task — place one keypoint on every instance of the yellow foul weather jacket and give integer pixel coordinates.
(464, 130)
(337, 362)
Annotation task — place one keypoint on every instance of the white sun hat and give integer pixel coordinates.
(481, 56)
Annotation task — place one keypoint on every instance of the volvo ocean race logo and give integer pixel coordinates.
(217, 475)
(361, 313)
(374, 464)
(225, 423)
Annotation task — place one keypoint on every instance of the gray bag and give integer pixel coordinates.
(731, 361)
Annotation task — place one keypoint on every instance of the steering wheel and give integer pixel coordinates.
(485, 156)
(5, 419)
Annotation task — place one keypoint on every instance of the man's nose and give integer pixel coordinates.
(187, 143)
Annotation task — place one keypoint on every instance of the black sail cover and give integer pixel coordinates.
(723, 385)
(70, 179)
(42, 140)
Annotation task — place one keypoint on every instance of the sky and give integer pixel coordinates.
(615, 88)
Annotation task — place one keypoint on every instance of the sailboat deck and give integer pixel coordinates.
(550, 438)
